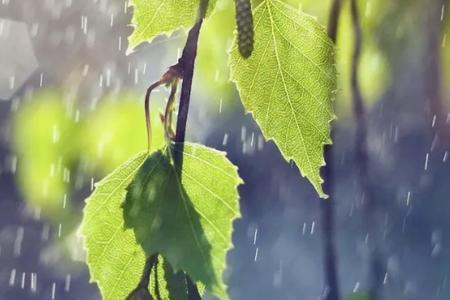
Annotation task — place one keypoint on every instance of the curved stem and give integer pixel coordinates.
(169, 111)
(147, 112)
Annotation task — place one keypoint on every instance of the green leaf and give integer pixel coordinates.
(288, 84)
(114, 258)
(187, 221)
(154, 17)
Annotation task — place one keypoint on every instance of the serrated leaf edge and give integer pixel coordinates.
(333, 117)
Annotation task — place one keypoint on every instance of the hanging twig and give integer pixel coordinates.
(362, 160)
(327, 206)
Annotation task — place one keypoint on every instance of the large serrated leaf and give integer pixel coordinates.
(189, 220)
(288, 84)
(154, 17)
(114, 258)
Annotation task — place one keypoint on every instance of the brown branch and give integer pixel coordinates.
(186, 64)
(327, 206)
(184, 70)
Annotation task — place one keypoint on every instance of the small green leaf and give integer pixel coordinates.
(288, 84)
(114, 258)
(187, 221)
(154, 17)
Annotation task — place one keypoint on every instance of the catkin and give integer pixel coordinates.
(244, 21)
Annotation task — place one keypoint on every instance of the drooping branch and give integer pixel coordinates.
(327, 206)
(362, 160)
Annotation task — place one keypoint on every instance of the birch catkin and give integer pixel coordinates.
(244, 21)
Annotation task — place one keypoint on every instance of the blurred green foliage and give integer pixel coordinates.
(446, 58)
(358, 296)
(42, 138)
(55, 144)
(115, 131)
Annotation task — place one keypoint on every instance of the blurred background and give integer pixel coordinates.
(71, 110)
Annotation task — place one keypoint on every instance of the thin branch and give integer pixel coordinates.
(333, 20)
(362, 160)
(147, 112)
(186, 63)
(327, 206)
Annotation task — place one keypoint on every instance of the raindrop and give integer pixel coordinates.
(225, 139)
(256, 254)
(55, 134)
(53, 290)
(108, 77)
(385, 278)
(12, 277)
(243, 133)
(426, 161)
(217, 75)
(22, 283)
(304, 228)
(67, 283)
(18, 241)
(45, 232)
(64, 200)
(85, 70)
(34, 29)
(136, 76)
(111, 22)
(356, 287)
(33, 282)
(12, 81)
(260, 142)
(13, 164)
(77, 116)
(255, 236)
(408, 198)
